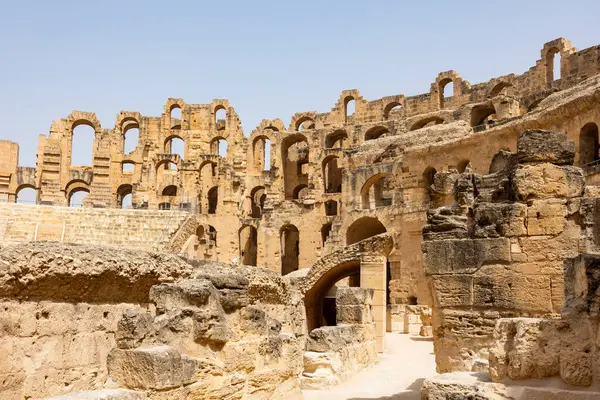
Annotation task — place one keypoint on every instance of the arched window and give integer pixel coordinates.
(212, 236)
(76, 197)
(295, 157)
(363, 228)
(82, 145)
(325, 231)
(218, 146)
(376, 133)
(588, 144)
(553, 65)
(213, 199)
(377, 191)
(261, 150)
(248, 245)
(336, 140)
(257, 197)
(175, 117)
(300, 192)
(26, 195)
(446, 90)
(170, 190)
(175, 145)
(127, 167)
(290, 248)
(349, 109)
(220, 118)
(131, 135)
(332, 175)
(124, 196)
(392, 111)
(482, 115)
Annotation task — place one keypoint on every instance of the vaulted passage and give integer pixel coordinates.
(588, 144)
(248, 245)
(295, 156)
(290, 248)
(364, 228)
(332, 175)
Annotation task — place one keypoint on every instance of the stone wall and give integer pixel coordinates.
(498, 250)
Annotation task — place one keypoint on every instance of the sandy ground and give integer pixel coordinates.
(408, 359)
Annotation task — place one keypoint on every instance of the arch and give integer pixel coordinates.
(349, 108)
(325, 231)
(363, 228)
(212, 236)
(300, 192)
(248, 245)
(553, 63)
(175, 145)
(290, 248)
(498, 88)
(261, 153)
(427, 122)
(130, 129)
(26, 194)
(393, 110)
(124, 196)
(331, 208)
(376, 132)
(175, 114)
(482, 114)
(163, 166)
(295, 154)
(82, 143)
(428, 180)
(170, 190)
(305, 123)
(257, 197)
(588, 144)
(336, 139)
(127, 167)
(377, 191)
(220, 117)
(213, 199)
(332, 175)
(462, 165)
(218, 146)
(446, 89)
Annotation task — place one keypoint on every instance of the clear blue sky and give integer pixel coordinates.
(270, 59)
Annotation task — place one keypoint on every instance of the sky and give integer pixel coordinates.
(270, 59)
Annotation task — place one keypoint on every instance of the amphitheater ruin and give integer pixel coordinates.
(200, 263)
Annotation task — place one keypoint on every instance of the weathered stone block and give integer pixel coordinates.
(353, 296)
(186, 293)
(546, 217)
(354, 314)
(102, 394)
(499, 219)
(543, 181)
(463, 255)
(453, 290)
(535, 146)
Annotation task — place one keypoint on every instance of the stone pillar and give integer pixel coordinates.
(373, 276)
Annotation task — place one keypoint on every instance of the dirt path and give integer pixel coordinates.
(408, 359)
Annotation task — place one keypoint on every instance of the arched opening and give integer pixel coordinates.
(462, 166)
(331, 208)
(588, 144)
(426, 122)
(175, 116)
(220, 118)
(300, 192)
(502, 87)
(428, 179)
(257, 197)
(553, 65)
(124, 196)
(295, 156)
(349, 109)
(248, 245)
(377, 191)
(290, 248)
(175, 145)
(305, 123)
(481, 115)
(319, 301)
(82, 144)
(128, 167)
(131, 135)
(363, 228)
(26, 195)
(446, 90)
(261, 153)
(76, 197)
(336, 140)
(212, 236)
(376, 133)
(213, 199)
(392, 111)
(218, 147)
(170, 190)
(332, 175)
(325, 231)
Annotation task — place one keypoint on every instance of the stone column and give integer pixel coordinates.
(372, 276)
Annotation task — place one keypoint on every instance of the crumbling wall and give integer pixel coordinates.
(498, 251)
